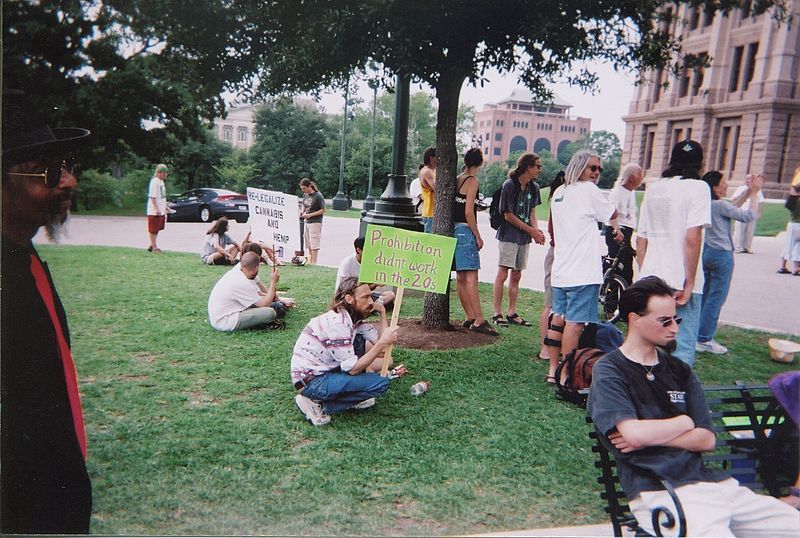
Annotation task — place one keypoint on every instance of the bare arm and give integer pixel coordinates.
(695, 440)
(268, 294)
(692, 245)
(635, 434)
(641, 249)
(532, 229)
(428, 178)
(469, 210)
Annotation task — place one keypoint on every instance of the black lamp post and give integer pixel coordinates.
(395, 207)
(369, 201)
(340, 201)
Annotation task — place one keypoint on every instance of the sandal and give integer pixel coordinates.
(550, 379)
(783, 271)
(498, 320)
(514, 319)
(484, 328)
(467, 323)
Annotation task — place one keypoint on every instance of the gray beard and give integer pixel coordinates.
(54, 227)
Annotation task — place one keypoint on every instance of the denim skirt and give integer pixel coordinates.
(467, 258)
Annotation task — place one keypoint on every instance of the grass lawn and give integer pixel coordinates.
(192, 431)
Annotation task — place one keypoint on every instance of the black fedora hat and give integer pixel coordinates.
(26, 134)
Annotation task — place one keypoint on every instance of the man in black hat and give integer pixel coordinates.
(674, 212)
(44, 486)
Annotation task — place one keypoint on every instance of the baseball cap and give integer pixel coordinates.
(688, 152)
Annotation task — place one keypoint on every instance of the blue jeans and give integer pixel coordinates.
(338, 391)
(578, 304)
(687, 335)
(718, 269)
(427, 225)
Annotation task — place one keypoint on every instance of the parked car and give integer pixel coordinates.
(205, 205)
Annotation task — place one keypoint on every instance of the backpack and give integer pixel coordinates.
(596, 340)
(578, 364)
(496, 219)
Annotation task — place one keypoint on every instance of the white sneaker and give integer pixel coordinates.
(311, 410)
(712, 346)
(366, 404)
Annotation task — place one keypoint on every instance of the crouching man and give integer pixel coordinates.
(650, 411)
(337, 358)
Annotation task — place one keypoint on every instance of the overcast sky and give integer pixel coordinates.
(605, 108)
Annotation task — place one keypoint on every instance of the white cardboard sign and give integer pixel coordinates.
(274, 220)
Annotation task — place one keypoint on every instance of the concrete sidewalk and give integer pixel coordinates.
(759, 297)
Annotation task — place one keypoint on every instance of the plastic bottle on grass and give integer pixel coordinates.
(420, 387)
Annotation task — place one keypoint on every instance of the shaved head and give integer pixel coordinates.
(250, 260)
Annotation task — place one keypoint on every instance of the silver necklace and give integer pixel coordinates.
(649, 375)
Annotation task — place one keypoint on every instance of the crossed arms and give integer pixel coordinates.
(675, 432)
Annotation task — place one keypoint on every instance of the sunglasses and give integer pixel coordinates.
(666, 322)
(52, 173)
(595, 168)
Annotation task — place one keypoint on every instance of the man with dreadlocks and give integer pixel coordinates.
(336, 359)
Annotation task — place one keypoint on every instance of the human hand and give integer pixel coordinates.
(538, 236)
(273, 279)
(618, 237)
(378, 306)
(757, 183)
(682, 296)
(622, 444)
(388, 337)
(479, 242)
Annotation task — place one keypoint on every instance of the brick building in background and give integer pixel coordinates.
(744, 109)
(516, 123)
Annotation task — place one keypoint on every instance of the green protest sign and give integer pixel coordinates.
(397, 257)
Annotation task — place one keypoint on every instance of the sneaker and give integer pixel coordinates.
(311, 410)
(366, 404)
(712, 346)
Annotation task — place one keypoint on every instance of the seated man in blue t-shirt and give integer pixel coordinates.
(650, 411)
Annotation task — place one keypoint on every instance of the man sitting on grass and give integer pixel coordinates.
(240, 301)
(336, 359)
(650, 411)
(351, 266)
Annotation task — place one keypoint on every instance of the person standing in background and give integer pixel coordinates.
(746, 230)
(623, 196)
(157, 205)
(313, 209)
(427, 180)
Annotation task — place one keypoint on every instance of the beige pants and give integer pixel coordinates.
(720, 509)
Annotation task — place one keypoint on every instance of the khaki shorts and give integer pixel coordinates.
(312, 235)
(513, 256)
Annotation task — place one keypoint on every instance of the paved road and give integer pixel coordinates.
(759, 297)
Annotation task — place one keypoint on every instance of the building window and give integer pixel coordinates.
(708, 18)
(518, 143)
(541, 145)
(227, 133)
(498, 137)
(750, 65)
(496, 151)
(747, 5)
(486, 151)
(694, 18)
(736, 69)
(649, 141)
(242, 134)
(486, 137)
(728, 144)
(657, 89)
(683, 83)
(697, 80)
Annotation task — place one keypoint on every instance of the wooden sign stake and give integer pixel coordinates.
(398, 302)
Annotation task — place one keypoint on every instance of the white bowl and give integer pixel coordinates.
(782, 350)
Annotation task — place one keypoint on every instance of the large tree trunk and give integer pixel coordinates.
(436, 309)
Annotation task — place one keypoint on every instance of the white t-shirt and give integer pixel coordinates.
(232, 293)
(746, 205)
(416, 192)
(576, 210)
(670, 207)
(212, 240)
(625, 203)
(348, 267)
(158, 191)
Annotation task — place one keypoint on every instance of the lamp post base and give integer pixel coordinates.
(340, 202)
(369, 202)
